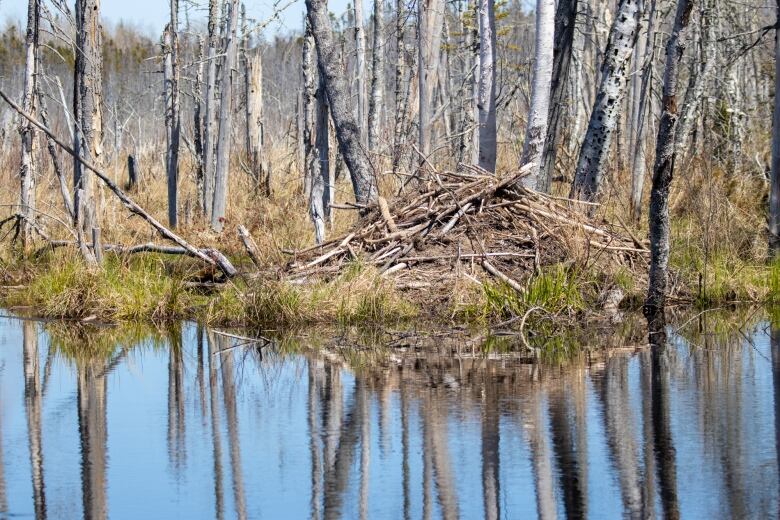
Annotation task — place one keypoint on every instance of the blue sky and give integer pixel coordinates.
(151, 15)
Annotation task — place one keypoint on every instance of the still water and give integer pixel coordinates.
(180, 425)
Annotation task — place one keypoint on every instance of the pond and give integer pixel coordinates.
(193, 424)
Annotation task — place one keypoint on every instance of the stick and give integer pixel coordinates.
(501, 276)
(249, 245)
(210, 256)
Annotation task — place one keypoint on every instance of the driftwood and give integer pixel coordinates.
(209, 256)
(469, 218)
(249, 245)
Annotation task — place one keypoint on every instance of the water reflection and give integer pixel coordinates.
(184, 424)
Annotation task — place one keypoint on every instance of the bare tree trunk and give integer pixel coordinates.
(197, 127)
(469, 131)
(209, 126)
(486, 103)
(309, 69)
(253, 78)
(27, 172)
(347, 132)
(592, 164)
(565, 20)
(774, 197)
(87, 99)
(429, 22)
(640, 112)
(360, 70)
(663, 169)
(172, 117)
(321, 193)
(402, 87)
(536, 131)
(222, 170)
(377, 79)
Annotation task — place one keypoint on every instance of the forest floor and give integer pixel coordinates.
(471, 258)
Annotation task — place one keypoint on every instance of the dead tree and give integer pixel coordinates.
(565, 20)
(87, 100)
(360, 69)
(663, 168)
(429, 22)
(321, 192)
(28, 170)
(486, 101)
(209, 124)
(197, 127)
(253, 78)
(774, 195)
(172, 117)
(536, 131)
(308, 102)
(592, 163)
(377, 79)
(403, 82)
(347, 132)
(222, 169)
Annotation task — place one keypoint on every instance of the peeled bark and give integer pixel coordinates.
(87, 99)
(486, 101)
(209, 125)
(347, 132)
(774, 197)
(663, 169)
(321, 193)
(172, 117)
(222, 170)
(536, 131)
(565, 20)
(377, 80)
(27, 172)
(592, 164)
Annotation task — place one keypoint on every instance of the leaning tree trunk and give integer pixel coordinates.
(209, 124)
(87, 100)
(592, 164)
(347, 132)
(27, 172)
(663, 169)
(172, 117)
(222, 170)
(774, 197)
(486, 102)
(536, 131)
(377, 80)
(565, 20)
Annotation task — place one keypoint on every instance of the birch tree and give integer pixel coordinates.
(663, 169)
(536, 131)
(592, 164)
(486, 100)
(28, 169)
(429, 23)
(222, 170)
(360, 69)
(87, 110)
(172, 117)
(377, 79)
(209, 125)
(565, 20)
(347, 132)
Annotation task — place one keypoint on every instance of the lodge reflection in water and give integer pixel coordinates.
(676, 430)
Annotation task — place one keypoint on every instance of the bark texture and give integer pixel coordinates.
(209, 124)
(347, 132)
(172, 113)
(592, 163)
(486, 99)
(536, 131)
(377, 80)
(28, 171)
(774, 195)
(663, 168)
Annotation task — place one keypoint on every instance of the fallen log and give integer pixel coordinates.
(209, 256)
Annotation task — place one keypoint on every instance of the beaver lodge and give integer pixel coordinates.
(464, 222)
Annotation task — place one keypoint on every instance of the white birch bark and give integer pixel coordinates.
(536, 131)
(377, 79)
(222, 170)
(360, 70)
(774, 195)
(28, 169)
(592, 163)
(253, 117)
(486, 101)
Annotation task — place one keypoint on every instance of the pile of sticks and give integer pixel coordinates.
(471, 218)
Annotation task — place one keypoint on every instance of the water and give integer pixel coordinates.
(124, 425)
